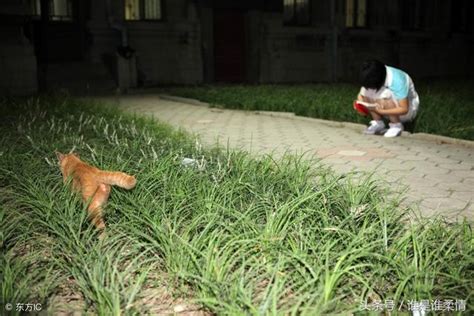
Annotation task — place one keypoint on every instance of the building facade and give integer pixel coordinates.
(105, 43)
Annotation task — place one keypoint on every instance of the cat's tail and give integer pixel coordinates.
(120, 179)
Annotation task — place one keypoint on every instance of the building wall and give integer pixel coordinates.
(206, 17)
(429, 57)
(17, 58)
(168, 54)
(292, 54)
(303, 54)
(434, 51)
(104, 39)
(179, 49)
(471, 60)
(168, 51)
(17, 64)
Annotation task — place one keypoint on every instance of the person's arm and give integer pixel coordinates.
(402, 109)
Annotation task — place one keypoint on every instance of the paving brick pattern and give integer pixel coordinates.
(438, 178)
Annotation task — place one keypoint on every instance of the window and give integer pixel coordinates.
(59, 10)
(296, 12)
(143, 10)
(356, 13)
(35, 7)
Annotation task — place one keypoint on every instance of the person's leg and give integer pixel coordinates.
(377, 125)
(394, 118)
(396, 127)
(389, 104)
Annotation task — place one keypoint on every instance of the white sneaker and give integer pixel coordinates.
(375, 127)
(394, 130)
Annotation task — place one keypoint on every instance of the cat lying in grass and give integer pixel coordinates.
(93, 184)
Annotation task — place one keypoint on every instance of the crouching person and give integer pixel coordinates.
(394, 95)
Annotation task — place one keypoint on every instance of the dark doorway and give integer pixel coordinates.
(229, 46)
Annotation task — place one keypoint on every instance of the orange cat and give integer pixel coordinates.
(92, 183)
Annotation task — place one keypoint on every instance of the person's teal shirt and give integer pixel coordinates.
(398, 82)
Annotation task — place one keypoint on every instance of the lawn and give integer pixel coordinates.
(446, 108)
(234, 235)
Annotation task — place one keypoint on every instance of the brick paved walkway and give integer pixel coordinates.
(439, 177)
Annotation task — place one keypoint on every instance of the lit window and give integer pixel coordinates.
(356, 13)
(152, 9)
(143, 10)
(35, 7)
(59, 10)
(296, 12)
(132, 10)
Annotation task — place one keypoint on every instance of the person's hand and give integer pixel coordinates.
(379, 108)
(360, 109)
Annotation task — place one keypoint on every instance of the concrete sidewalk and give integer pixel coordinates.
(439, 176)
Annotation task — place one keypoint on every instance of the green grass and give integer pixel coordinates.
(446, 108)
(238, 236)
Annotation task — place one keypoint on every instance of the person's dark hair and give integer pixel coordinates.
(372, 74)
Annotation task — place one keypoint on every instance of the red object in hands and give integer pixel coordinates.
(361, 108)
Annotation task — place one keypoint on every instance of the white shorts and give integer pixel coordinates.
(413, 104)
